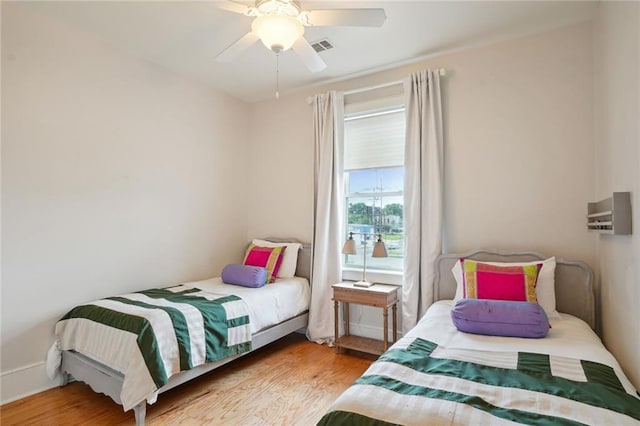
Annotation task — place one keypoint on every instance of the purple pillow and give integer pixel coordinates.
(244, 275)
(500, 318)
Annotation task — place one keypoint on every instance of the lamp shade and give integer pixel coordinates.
(277, 32)
(379, 249)
(349, 245)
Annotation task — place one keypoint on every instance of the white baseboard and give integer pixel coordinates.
(24, 381)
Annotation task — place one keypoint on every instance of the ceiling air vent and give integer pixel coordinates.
(322, 45)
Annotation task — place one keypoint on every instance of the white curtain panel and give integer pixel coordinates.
(328, 125)
(423, 188)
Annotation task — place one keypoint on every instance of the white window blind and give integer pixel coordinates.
(374, 140)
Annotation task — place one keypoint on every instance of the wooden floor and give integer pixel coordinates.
(289, 382)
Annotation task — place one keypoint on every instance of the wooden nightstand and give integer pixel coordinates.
(378, 295)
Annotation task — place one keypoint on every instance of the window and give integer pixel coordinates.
(374, 180)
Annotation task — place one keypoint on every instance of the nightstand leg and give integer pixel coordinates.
(346, 318)
(394, 311)
(336, 316)
(385, 327)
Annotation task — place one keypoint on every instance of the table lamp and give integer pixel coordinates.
(379, 250)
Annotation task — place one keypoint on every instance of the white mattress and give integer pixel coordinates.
(268, 305)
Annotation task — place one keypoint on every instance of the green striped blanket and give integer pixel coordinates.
(426, 384)
(151, 335)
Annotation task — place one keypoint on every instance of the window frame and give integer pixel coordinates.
(373, 274)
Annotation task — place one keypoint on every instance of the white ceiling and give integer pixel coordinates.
(186, 36)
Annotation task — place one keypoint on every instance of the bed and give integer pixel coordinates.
(229, 322)
(438, 375)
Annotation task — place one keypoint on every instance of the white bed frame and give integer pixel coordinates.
(573, 280)
(108, 381)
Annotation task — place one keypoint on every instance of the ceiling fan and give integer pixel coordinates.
(279, 24)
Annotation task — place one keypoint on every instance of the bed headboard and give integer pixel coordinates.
(573, 280)
(303, 268)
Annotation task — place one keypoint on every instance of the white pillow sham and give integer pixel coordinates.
(545, 287)
(289, 259)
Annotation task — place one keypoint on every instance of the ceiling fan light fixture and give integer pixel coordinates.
(278, 7)
(277, 32)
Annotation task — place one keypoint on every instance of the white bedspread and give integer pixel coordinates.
(438, 375)
(268, 305)
(118, 348)
(569, 337)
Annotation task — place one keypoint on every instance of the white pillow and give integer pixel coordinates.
(289, 259)
(545, 287)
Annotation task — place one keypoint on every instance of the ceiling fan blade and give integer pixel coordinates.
(347, 17)
(232, 6)
(238, 47)
(309, 57)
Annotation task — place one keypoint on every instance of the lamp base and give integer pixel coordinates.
(362, 284)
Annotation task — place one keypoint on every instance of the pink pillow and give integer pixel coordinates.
(269, 258)
(485, 281)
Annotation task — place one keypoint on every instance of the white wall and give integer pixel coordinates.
(617, 136)
(519, 153)
(117, 175)
(280, 164)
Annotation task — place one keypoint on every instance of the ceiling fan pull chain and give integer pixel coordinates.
(277, 76)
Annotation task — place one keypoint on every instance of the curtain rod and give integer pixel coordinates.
(441, 71)
(370, 88)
